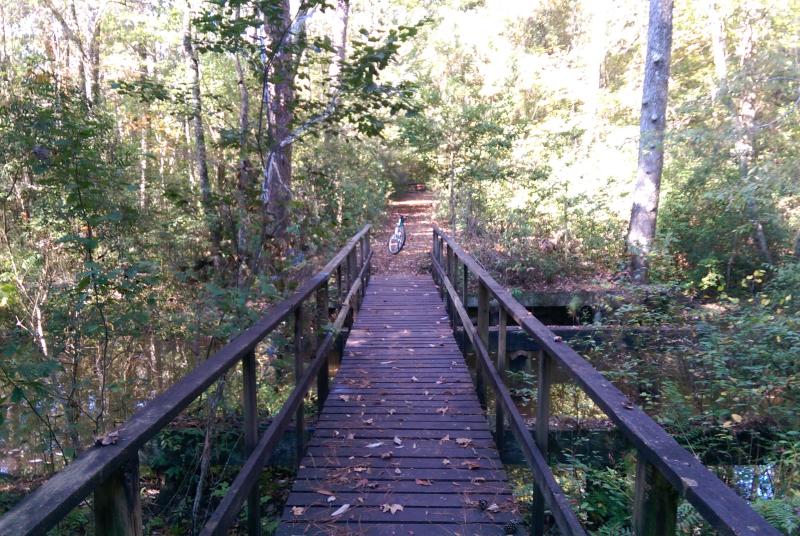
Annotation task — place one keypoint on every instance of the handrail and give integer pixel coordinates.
(104, 466)
(664, 468)
(566, 519)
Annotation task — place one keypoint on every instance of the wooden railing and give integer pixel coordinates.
(665, 470)
(111, 471)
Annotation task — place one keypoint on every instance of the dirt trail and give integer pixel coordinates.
(417, 207)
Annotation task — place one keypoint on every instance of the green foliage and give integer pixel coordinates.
(781, 514)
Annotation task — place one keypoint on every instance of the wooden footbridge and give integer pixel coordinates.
(404, 443)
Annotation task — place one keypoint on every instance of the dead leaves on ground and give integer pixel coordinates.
(391, 508)
(464, 442)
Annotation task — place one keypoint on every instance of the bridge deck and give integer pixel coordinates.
(402, 426)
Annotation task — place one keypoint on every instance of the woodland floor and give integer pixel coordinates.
(417, 207)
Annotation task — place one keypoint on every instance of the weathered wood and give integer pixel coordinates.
(299, 359)
(227, 511)
(559, 505)
(390, 422)
(718, 504)
(39, 512)
(321, 324)
(117, 506)
(655, 503)
(502, 366)
(250, 414)
(483, 333)
(542, 430)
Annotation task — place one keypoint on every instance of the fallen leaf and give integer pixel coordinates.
(493, 508)
(351, 435)
(359, 468)
(398, 441)
(345, 398)
(423, 482)
(736, 417)
(110, 438)
(386, 362)
(342, 509)
(331, 499)
(323, 491)
(443, 410)
(463, 442)
(397, 471)
(440, 380)
(445, 439)
(392, 411)
(414, 379)
(445, 462)
(368, 421)
(391, 508)
(374, 445)
(298, 510)
(386, 455)
(470, 465)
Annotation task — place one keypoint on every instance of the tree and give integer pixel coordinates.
(652, 124)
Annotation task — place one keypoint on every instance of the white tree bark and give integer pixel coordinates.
(642, 228)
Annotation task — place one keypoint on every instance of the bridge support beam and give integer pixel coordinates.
(655, 502)
(117, 505)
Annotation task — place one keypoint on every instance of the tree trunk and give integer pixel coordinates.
(745, 120)
(144, 131)
(201, 161)
(652, 125)
(278, 174)
(797, 246)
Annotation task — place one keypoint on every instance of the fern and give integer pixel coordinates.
(690, 522)
(783, 514)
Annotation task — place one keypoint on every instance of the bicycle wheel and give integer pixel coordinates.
(396, 243)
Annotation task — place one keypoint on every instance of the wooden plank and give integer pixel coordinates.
(383, 425)
(395, 529)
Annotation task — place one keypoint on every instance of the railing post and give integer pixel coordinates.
(117, 506)
(451, 276)
(483, 333)
(655, 502)
(322, 321)
(299, 357)
(502, 366)
(339, 284)
(250, 415)
(352, 276)
(464, 291)
(542, 431)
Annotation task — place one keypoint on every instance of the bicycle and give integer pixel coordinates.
(398, 238)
